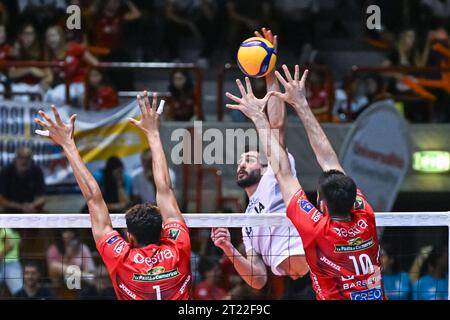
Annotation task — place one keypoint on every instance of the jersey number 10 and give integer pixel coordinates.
(365, 263)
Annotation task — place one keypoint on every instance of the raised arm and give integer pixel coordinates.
(149, 124)
(62, 134)
(276, 111)
(295, 95)
(253, 108)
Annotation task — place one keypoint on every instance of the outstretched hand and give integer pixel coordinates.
(61, 133)
(149, 122)
(294, 88)
(269, 36)
(251, 106)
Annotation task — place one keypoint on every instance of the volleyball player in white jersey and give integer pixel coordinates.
(279, 248)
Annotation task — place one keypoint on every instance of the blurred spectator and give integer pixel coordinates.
(32, 284)
(433, 280)
(318, 93)
(87, 21)
(408, 53)
(111, 15)
(116, 185)
(76, 59)
(68, 251)
(208, 288)
(143, 184)
(296, 20)
(10, 267)
(245, 18)
(438, 11)
(181, 103)
(5, 54)
(396, 282)
(102, 289)
(42, 13)
(189, 17)
(28, 79)
(22, 185)
(101, 94)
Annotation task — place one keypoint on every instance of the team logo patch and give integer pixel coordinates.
(370, 294)
(356, 244)
(306, 206)
(174, 233)
(359, 203)
(156, 270)
(111, 240)
(156, 277)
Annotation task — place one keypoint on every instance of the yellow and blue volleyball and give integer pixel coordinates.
(256, 57)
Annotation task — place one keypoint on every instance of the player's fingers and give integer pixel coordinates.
(287, 73)
(72, 120)
(41, 123)
(233, 97)
(304, 77)
(241, 87)
(155, 101)
(46, 117)
(134, 122)
(147, 104)
(281, 79)
(257, 34)
(275, 43)
(248, 84)
(56, 114)
(141, 105)
(297, 73)
(233, 106)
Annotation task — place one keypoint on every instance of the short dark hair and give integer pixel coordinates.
(338, 191)
(144, 222)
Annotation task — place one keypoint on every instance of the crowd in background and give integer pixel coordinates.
(160, 30)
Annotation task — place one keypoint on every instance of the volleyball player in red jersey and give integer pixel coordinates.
(339, 237)
(155, 261)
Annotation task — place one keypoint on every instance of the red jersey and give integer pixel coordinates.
(108, 32)
(343, 257)
(155, 272)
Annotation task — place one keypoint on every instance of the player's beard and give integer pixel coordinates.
(251, 179)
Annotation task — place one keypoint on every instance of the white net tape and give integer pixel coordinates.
(207, 220)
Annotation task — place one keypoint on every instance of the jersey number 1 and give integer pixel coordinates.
(364, 262)
(158, 292)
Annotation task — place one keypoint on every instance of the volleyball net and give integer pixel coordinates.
(56, 253)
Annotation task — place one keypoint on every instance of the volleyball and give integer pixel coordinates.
(256, 57)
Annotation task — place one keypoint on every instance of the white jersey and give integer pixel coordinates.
(274, 244)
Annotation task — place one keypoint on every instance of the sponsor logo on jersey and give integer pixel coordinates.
(353, 231)
(156, 270)
(156, 277)
(316, 216)
(330, 263)
(183, 287)
(353, 245)
(370, 294)
(306, 206)
(111, 240)
(174, 233)
(359, 203)
(158, 257)
(125, 289)
(119, 246)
